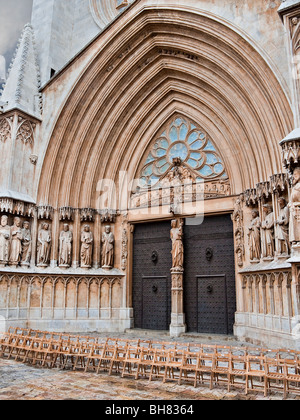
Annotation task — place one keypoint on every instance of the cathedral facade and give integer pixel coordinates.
(150, 173)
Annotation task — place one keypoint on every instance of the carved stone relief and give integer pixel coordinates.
(86, 253)
(44, 245)
(65, 247)
(177, 245)
(254, 237)
(294, 206)
(267, 233)
(108, 245)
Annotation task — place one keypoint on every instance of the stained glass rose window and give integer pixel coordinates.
(183, 139)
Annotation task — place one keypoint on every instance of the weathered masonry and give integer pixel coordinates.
(150, 173)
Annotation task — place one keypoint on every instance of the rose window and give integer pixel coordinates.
(183, 139)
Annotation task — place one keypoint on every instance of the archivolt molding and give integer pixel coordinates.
(168, 63)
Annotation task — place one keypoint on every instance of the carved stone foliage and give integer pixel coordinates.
(5, 129)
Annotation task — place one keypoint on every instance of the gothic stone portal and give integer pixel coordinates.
(209, 277)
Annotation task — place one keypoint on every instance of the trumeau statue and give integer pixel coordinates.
(26, 244)
(108, 241)
(86, 247)
(16, 243)
(267, 232)
(65, 247)
(254, 237)
(4, 241)
(283, 227)
(295, 208)
(177, 245)
(44, 246)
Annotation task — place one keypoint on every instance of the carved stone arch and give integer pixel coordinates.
(247, 104)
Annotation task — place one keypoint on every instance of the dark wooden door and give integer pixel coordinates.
(152, 262)
(209, 279)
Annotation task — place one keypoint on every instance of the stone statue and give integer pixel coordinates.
(86, 247)
(16, 243)
(26, 244)
(254, 237)
(177, 245)
(267, 232)
(108, 241)
(44, 245)
(294, 206)
(4, 241)
(65, 247)
(283, 227)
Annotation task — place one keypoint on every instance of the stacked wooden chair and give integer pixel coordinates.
(250, 369)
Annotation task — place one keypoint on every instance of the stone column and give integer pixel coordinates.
(178, 325)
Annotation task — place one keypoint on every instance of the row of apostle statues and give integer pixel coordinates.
(261, 233)
(16, 245)
(269, 234)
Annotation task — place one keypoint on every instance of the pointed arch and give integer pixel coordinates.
(146, 69)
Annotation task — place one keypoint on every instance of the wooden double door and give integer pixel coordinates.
(209, 276)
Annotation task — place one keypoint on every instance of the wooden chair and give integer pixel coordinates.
(237, 369)
(145, 363)
(275, 375)
(204, 369)
(131, 362)
(188, 369)
(221, 366)
(158, 365)
(106, 358)
(255, 369)
(292, 376)
(174, 363)
(93, 359)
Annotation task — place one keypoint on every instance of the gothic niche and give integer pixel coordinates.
(15, 243)
(44, 246)
(254, 237)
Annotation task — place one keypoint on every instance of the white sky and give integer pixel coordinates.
(14, 14)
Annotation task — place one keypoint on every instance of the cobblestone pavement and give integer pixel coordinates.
(23, 382)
